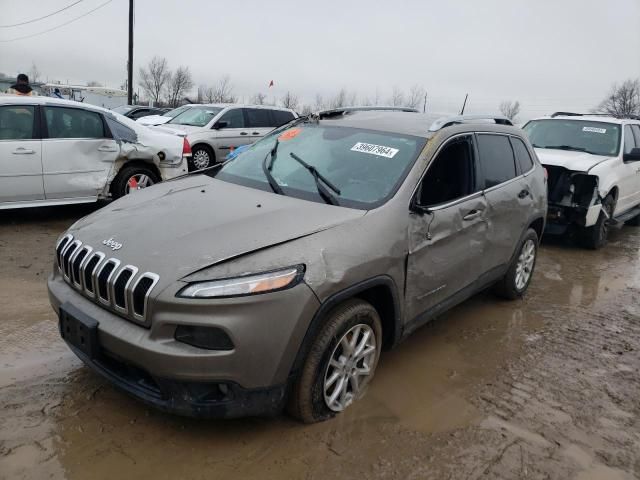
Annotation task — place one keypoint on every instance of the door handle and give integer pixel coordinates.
(107, 149)
(255, 133)
(23, 151)
(472, 214)
(244, 133)
(523, 193)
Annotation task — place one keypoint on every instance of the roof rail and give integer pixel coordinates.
(612, 115)
(456, 119)
(334, 112)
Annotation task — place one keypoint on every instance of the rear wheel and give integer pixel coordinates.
(517, 279)
(340, 364)
(595, 237)
(132, 178)
(201, 157)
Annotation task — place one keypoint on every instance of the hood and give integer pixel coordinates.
(576, 161)
(153, 120)
(175, 129)
(179, 227)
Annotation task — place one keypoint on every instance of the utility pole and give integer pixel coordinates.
(463, 105)
(424, 108)
(130, 62)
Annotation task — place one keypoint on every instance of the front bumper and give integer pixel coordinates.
(560, 217)
(150, 364)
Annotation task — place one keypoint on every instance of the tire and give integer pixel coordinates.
(202, 156)
(122, 184)
(307, 399)
(517, 279)
(595, 237)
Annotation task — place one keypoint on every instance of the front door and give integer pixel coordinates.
(446, 241)
(259, 122)
(231, 134)
(77, 156)
(629, 175)
(20, 154)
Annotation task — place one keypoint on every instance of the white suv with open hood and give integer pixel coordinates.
(593, 164)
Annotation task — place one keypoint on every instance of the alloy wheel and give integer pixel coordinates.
(138, 182)
(526, 260)
(200, 159)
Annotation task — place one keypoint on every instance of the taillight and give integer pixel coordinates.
(186, 148)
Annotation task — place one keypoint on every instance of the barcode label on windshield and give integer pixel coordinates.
(379, 150)
(594, 129)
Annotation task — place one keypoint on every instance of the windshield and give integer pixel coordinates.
(196, 116)
(365, 166)
(176, 111)
(123, 109)
(597, 138)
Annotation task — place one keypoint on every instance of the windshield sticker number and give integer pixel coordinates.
(289, 134)
(594, 129)
(379, 150)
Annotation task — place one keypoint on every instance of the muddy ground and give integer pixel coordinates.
(544, 388)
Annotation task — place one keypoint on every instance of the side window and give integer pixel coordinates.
(257, 118)
(73, 123)
(280, 117)
(523, 157)
(451, 175)
(234, 118)
(120, 131)
(496, 159)
(629, 140)
(16, 122)
(636, 133)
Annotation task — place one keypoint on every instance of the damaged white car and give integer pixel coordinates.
(593, 164)
(55, 152)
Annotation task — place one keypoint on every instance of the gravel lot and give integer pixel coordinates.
(544, 388)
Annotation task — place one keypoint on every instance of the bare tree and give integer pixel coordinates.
(258, 99)
(34, 73)
(623, 100)
(222, 92)
(319, 103)
(307, 110)
(397, 97)
(202, 93)
(179, 84)
(94, 83)
(289, 100)
(340, 100)
(155, 77)
(510, 109)
(416, 96)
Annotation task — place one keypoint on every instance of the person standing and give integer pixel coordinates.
(21, 87)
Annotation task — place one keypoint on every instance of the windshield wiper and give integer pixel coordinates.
(566, 147)
(317, 176)
(267, 163)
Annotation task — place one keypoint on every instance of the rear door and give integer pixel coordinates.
(259, 122)
(446, 244)
(20, 154)
(77, 153)
(233, 134)
(507, 194)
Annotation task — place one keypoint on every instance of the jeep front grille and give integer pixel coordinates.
(104, 279)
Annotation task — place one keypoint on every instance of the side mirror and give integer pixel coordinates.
(220, 125)
(419, 209)
(632, 156)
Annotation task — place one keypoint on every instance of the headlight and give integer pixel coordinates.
(246, 285)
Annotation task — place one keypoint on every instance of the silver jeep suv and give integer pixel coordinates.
(330, 239)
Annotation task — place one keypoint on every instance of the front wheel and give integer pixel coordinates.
(517, 279)
(132, 178)
(340, 364)
(595, 237)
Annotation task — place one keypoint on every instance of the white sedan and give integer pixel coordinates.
(55, 152)
(154, 120)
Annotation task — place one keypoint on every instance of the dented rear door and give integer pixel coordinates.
(77, 155)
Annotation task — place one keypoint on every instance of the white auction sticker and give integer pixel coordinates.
(379, 150)
(594, 129)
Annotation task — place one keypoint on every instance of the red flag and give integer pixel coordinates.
(271, 84)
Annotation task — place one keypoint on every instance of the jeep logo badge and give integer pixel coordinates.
(112, 244)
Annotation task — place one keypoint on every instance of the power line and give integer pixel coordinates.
(57, 27)
(41, 18)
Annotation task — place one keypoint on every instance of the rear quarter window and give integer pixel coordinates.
(280, 117)
(496, 159)
(523, 157)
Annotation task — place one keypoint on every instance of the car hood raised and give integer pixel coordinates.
(571, 160)
(176, 228)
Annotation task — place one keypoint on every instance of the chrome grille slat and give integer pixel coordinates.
(124, 290)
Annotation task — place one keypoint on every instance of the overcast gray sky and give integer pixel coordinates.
(549, 54)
